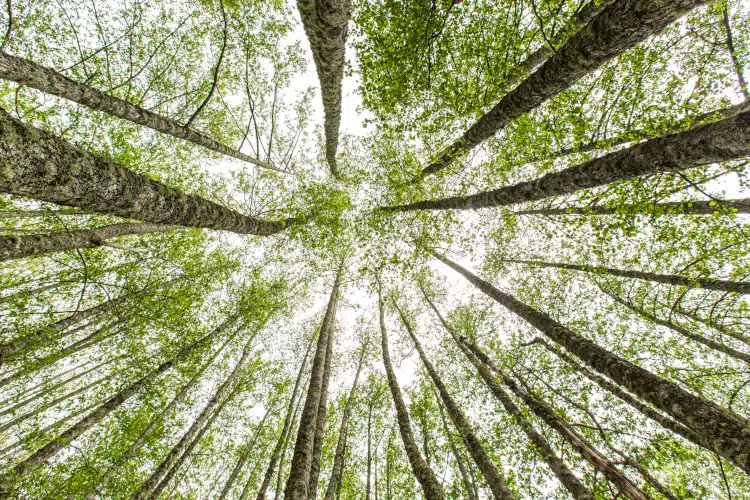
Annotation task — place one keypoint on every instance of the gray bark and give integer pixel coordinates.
(326, 25)
(620, 26)
(495, 480)
(298, 483)
(719, 429)
(19, 246)
(427, 479)
(456, 455)
(741, 206)
(33, 75)
(40, 165)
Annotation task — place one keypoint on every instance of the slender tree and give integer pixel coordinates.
(692, 207)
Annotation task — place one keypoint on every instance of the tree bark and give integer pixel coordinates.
(33, 75)
(368, 486)
(338, 458)
(620, 26)
(41, 456)
(151, 487)
(720, 430)
(427, 479)
(667, 279)
(711, 143)
(495, 481)
(575, 487)
(17, 247)
(40, 165)
(708, 207)
(298, 483)
(456, 455)
(326, 25)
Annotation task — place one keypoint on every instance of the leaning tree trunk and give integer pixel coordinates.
(41, 165)
(16, 247)
(326, 25)
(454, 450)
(427, 479)
(620, 26)
(152, 426)
(575, 487)
(692, 207)
(320, 422)
(716, 142)
(33, 75)
(338, 457)
(495, 481)
(41, 456)
(719, 429)
(299, 478)
(288, 419)
(151, 485)
(667, 279)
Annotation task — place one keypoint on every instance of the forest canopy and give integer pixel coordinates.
(374, 249)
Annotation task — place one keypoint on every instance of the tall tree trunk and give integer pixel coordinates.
(150, 486)
(667, 279)
(711, 324)
(41, 456)
(368, 487)
(338, 457)
(495, 481)
(30, 214)
(280, 476)
(454, 450)
(131, 451)
(33, 75)
(427, 479)
(697, 207)
(288, 419)
(551, 418)
(41, 165)
(620, 26)
(326, 25)
(388, 467)
(575, 487)
(720, 430)
(16, 247)
(298, 483)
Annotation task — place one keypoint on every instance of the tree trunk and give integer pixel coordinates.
(620, 26)
(720, 430)
(575, 487)
(495, 481)
(285, 429)
(298, 483)
(32, 291)
(30, 214)
(716, 142)
(667, 279)
(711, 324)
(427, 479)
(40, 165)
(326, 25)
(138, 443)
(41, 456)
(368, 487)
(456, 455)
(33, 75)
(150, 487)
(16, 247)
(280, 476)
(320, 422)
(697, 207)
(338, 458)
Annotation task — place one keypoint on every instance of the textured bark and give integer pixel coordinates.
(33, 75)
(338, 457)
(720, 430)
(551, 418)
(326, 25)
(19, 246)
(40, 165)
(41, 456)
(667, 279)
(299, 478)
(712, 143)
(288, 419)
(320, 422)
(456, 455)
(494, 479)
(741, 206)
(151, 486)
(427, 479)
(575, 487)
(131, 451)
(620, 26)
(30, 214)
(279, 476)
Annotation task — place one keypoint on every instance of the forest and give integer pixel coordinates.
(374, 249)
